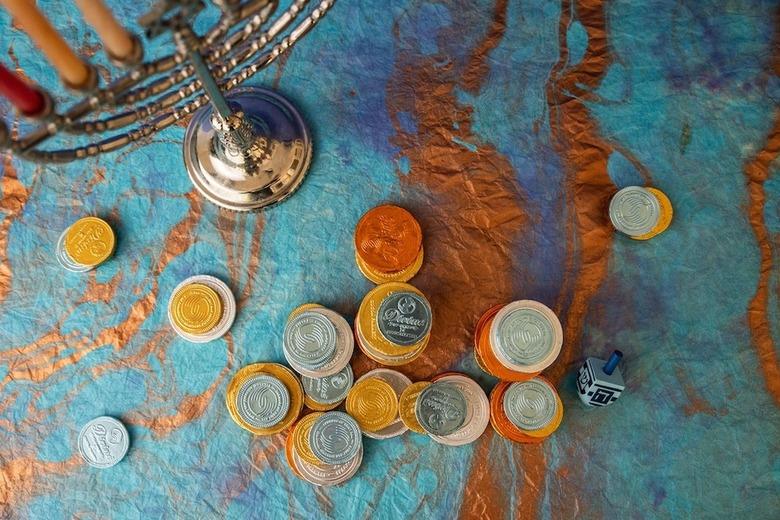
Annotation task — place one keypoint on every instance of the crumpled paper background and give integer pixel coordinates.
(505, 127)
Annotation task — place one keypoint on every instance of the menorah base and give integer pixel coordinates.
(239, 182)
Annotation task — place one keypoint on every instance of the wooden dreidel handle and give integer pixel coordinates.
(599, 382)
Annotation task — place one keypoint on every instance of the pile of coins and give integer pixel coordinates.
(526, 411)
(388, 245)
(317, 341)
(640, 213)
(325, 448)
(515, 342)
(84, 245)
(201, 309)
(264, 398)
(393, 324)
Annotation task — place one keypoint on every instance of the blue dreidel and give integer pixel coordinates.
(599, 382)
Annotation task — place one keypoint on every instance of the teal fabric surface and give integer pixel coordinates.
(504, 126)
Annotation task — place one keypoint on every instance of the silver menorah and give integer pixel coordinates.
(244, 148)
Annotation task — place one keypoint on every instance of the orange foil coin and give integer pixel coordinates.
(666, 215)
(388, 238)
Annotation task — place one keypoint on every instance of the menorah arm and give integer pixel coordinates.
(28, 150)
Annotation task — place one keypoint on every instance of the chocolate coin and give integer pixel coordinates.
(404, 318)
(309, 340)
(441, 408)
(634, 211)
(103, 442)
(530, 405)
(263, 401)
(335, 438)
(329, 389)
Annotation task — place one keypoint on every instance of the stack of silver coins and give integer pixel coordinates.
(326, 393)
(317, 342)
(335, 447)
(476, 416)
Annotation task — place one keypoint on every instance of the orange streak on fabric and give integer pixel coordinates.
(756, 173)
(478, 68)
(14, 197)
(585, 154)
(190, 408)
(531, 459)
(469, 209)
(478, 501)
(696, 403)
(20, 477)
(39, 363)
(101, 292)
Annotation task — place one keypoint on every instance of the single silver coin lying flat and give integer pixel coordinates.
(404, 318)
(634, 211)
(441, 408)
(329, 389)
(335, 438)
(263, 401)
(309, 340)
(530, 405)
(103, 442)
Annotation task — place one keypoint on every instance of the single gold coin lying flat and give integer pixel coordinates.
(372, 403)
(89, 241)
(196, 308)
(301, 438)
(407, 404)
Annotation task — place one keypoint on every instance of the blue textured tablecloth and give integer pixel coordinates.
(505, 127)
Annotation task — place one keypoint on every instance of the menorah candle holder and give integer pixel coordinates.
(244, 149)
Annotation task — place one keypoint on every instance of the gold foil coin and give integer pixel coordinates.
(666, 215)
(196, 308)
(90, 241)
(373, 404)
(407, 404)
(301, 438)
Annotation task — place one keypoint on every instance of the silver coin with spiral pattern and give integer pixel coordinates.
(634, 211)
(335, 438)
(309, 340)
(263, 401)
(530, 405)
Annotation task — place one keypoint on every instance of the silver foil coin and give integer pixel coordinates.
(335, 438)
(103, 442)
(309, 340)
(441, 408)
(329, 389)
(530, 405)
(634, 211)
(525, 336)
(477, 414)
(404, 318)
(263, 401)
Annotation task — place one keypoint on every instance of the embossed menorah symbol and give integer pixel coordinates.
(244, 149)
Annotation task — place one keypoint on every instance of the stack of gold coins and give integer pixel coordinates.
(325, 449)
(201, 309)
(264, 398)
(640, 213)
(317, 341)
(373, 403)
(393, 324)
(525, 411)
(388, 245)
(515, 342)
(87, 243)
